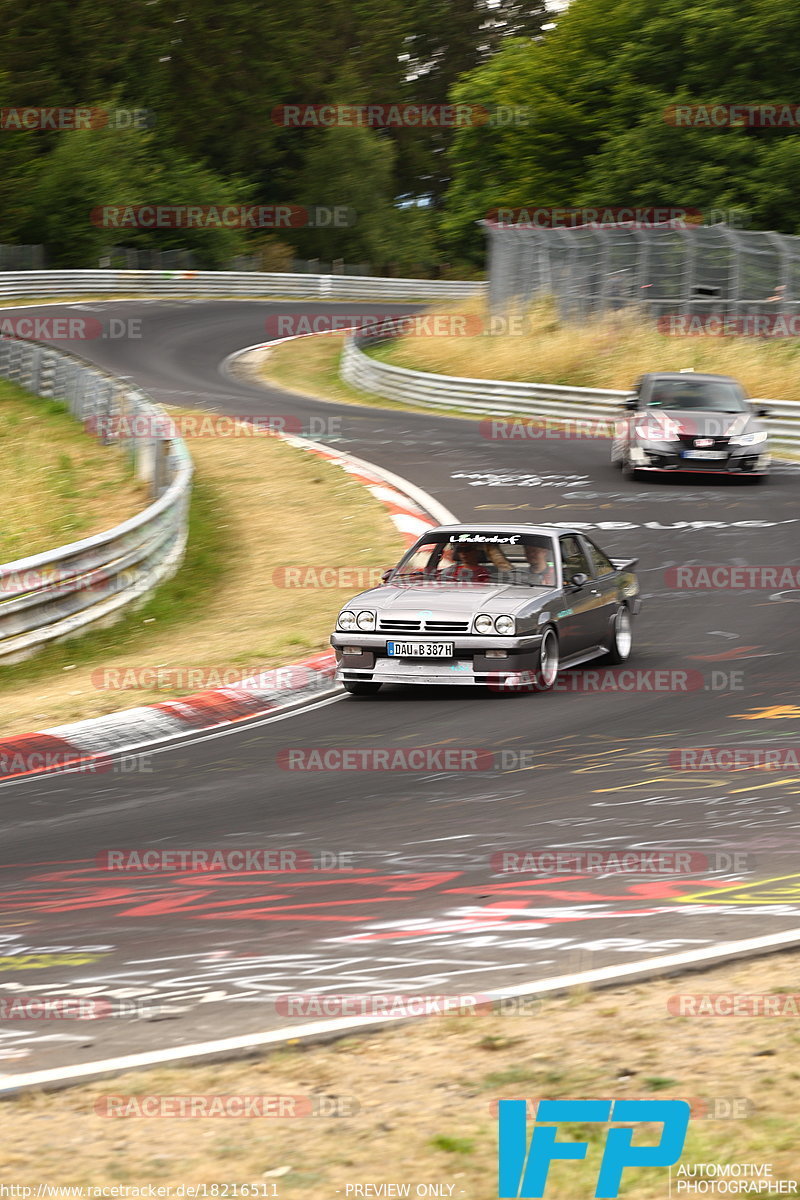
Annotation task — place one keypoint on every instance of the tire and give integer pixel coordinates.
(543, 676)
(629, 471)
(622, 635)
(360, 687)
(546, 672)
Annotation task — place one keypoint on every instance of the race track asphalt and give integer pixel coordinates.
(415, 905)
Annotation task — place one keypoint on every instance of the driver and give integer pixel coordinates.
(542, 572)
(469, 565)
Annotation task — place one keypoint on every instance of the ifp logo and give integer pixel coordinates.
(522, 1169)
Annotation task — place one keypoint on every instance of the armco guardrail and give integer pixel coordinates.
(36, 284)
(64, 591)
(501, 397)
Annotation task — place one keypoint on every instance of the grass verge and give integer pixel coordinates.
(425, 1096)
(309, 366)
(57, 482)
(610, 352)
(259, 505)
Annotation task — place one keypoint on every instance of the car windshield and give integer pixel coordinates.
(479, 558)
(717, 395)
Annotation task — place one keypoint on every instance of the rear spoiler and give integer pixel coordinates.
(624, 564)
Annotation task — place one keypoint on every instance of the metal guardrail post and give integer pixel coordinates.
(503, 398)
(226, 283)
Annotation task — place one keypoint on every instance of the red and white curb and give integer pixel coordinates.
(88, 744)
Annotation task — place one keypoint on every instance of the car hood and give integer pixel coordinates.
(449, 600)
(700, 423)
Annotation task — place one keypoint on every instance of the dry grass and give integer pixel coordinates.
(425, 1094)
(58, 483)
(611, 352)
(309, 366)
(270, 506)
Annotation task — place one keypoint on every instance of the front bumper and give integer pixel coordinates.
(666, 456)
(470, 664)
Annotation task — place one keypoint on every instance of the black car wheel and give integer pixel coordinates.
(546, 672)
(360, 687)
(621, 637)
(542, 677)
(628, 469)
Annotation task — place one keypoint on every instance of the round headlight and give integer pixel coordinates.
(347, 620)
(504, 625)
(366, 620)
(484, 623)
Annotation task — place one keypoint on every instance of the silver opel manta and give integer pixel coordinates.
(503, 606)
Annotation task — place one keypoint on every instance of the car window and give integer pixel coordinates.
(573, 558)
(601, 564)
(708, 395)
(516, 559)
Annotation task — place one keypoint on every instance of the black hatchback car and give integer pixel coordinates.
(685, 421)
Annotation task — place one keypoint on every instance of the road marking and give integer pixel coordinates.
(237, 727)
(602, 976)
(742, 893)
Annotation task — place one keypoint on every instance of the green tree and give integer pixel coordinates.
(92, 169)
(599, 87)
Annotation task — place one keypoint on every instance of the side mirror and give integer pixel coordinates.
(763, 412)
(385, 574)
(579, 580)
(631, 403)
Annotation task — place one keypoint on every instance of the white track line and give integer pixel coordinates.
(321, 1030)
(163, 745)
(601, 977)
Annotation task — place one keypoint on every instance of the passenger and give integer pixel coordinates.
(498, 560)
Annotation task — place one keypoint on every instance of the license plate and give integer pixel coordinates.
(705, 454)
(420, 649)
